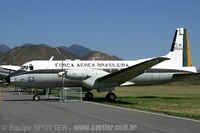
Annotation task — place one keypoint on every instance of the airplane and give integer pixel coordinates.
(104, 76)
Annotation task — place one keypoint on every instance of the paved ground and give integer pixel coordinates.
(18, 113)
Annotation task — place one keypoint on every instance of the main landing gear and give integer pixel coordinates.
(89, 96)
(109, 97)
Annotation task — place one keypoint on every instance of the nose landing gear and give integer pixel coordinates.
(36, 97)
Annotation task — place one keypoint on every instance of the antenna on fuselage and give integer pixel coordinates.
(51, 58)
(8, 77)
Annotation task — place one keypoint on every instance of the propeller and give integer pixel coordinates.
(62, 89)
(8, 77)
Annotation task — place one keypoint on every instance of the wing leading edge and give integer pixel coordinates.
(126, 74)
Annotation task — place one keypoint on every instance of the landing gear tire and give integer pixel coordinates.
(36, 97)
(89, 95)
(111, 96)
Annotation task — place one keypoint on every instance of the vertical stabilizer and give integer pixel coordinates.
(180, 50)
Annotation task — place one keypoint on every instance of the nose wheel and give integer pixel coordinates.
(36, 97)
(111, 96)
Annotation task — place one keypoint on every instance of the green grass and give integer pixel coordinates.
(177, 100)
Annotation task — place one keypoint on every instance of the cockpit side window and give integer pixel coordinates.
(26, 67)
(31, 67)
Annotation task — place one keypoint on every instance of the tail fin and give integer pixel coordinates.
(180, 50)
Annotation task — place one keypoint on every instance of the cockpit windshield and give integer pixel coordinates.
(27, 68)
(23, 67)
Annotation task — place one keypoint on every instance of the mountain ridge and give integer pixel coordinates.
(4, 48)
(78, 49)
(22, 54)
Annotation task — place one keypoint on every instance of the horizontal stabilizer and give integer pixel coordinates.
(126, 74)
(182, 76)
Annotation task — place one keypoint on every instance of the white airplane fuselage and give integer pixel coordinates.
(78, 70)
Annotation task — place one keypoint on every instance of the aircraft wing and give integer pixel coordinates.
(126, 74)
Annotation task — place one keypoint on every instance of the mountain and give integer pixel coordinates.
(4, 48)
(27, 44)
(27, 52)
(77, 49)
(96, 55)
(1, 54)
(117, 58)
(31, 44)
(20, 55)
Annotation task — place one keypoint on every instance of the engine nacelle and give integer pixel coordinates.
(77, 74)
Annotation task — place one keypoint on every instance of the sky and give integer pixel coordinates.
(129, 29)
